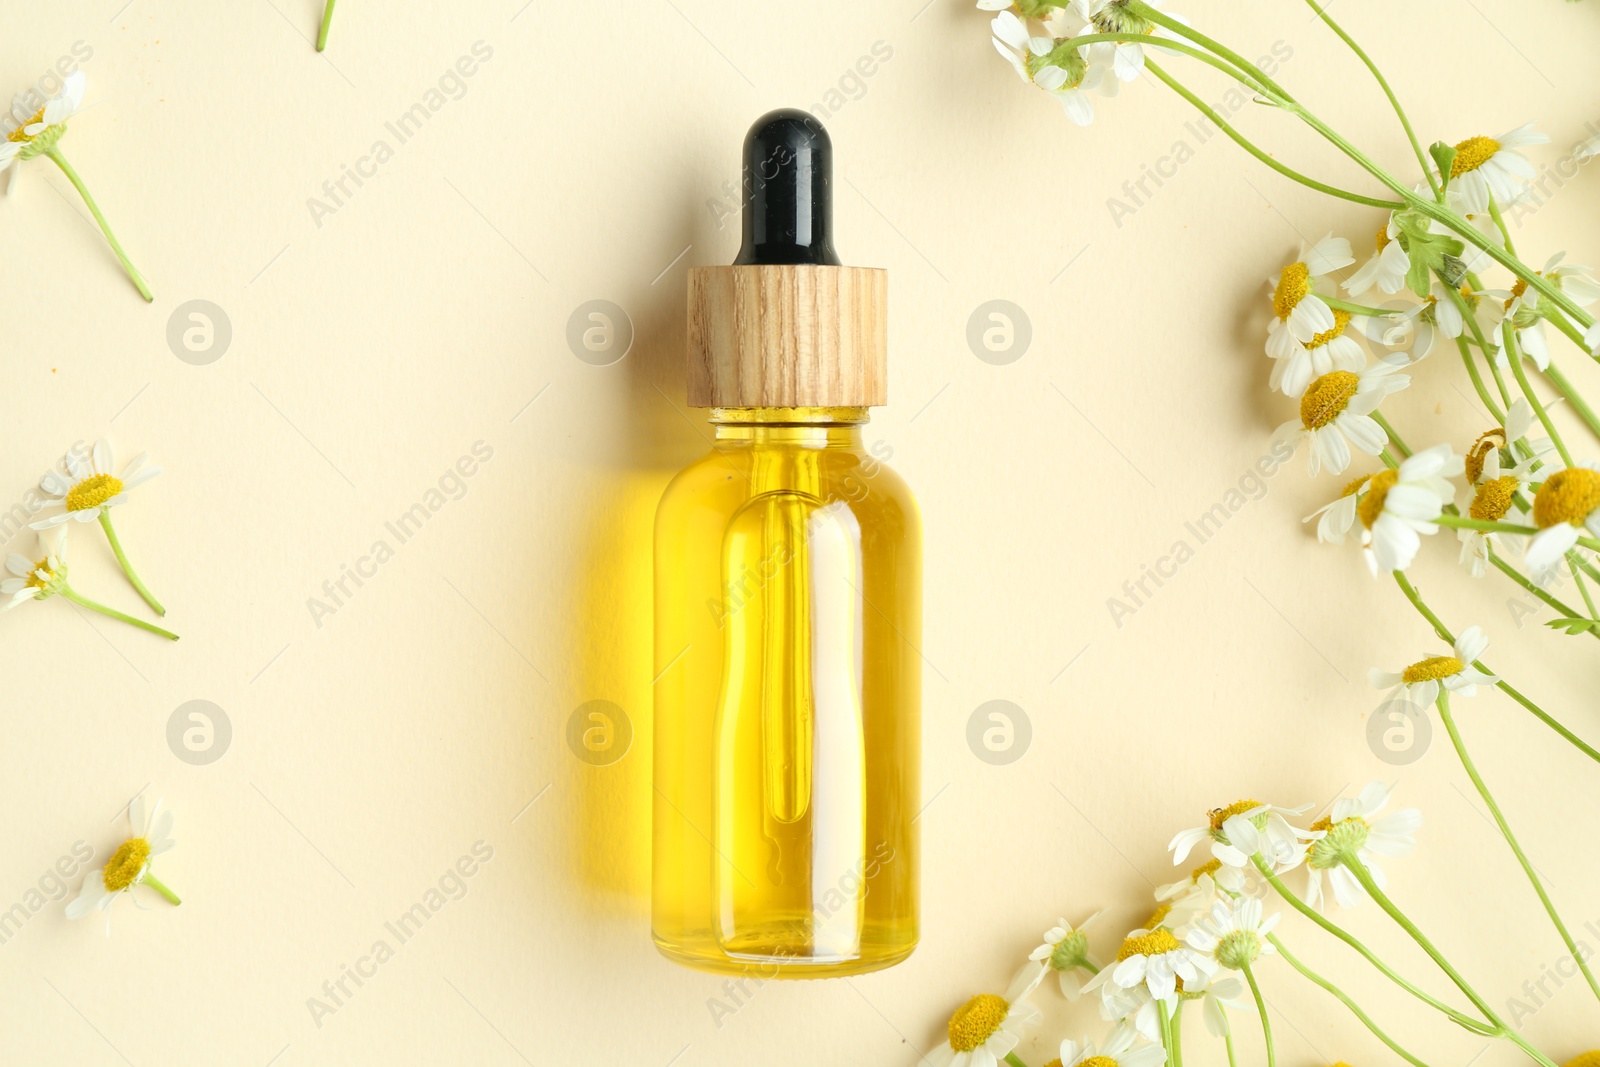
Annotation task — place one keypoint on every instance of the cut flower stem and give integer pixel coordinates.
(105, 227)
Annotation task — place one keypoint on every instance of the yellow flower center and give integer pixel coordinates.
(1327, 397)
(1154, 943)
(1324, 824)
(1383, 238)
(126, 864)
(1493, 499)
(1516, 292)
(1432, 669)
(1487, 442)
(1206, 868)
(1585, 1059)
(1371, 505)
(1158, 916)
(1567, 496)
(93, 491)
(17, 134)
(1355, 487)
(1238, 807)
(977, 1020)
(1054, 1063)
(1097, 1061)
(1472, 153)
(40, 575)
(1341, 319)
(1294, 285)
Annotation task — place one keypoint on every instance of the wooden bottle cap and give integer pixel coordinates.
(788, 335)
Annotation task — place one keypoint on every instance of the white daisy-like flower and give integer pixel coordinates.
(1520, 304)
(1566, 507)
(1421, 682)
(1244, 829)
(1192, 896)
(1119, 1051)
(984, 1030)
(1486, 167)
(41, 124)
(1055, 66)
(89, 486)
(1354, 826)
(1066, 951)
(1121, 60)
(1153, 959)
(1332, 349)
(1336, 518)
(1400, 504)
(129, 865)
(1386, 268)
(1498, 486)
(1335, 414)
(1299, 312)
(36, 579)
(1233, 933)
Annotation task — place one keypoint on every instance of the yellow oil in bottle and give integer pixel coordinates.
(787, 706)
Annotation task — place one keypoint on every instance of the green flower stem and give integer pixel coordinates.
(1477, 332)
(1238, 138)
(1583, 588)
(1217, 48)
(1574, 398)
(1505, 831)
(83, 601)
(1508, 335)
(155, 883)
(1468, 232)
(1176, 1059)
(105, 227)
(1566, 611)
(1355, 309)
(1383, 423)
(1261, 1009)
(1227, 1039)
(1477, 381)
(1458, 522)
(1364, 876)
(327, 20)
(127, 568)
(1505, 231)
(1164, 1025)
(1459, 1018)
(1394, 102)
(1505, 687)
(1560, 322)
(1499, 379)
(1355, 1008)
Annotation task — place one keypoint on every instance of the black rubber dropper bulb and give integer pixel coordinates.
(788, 185)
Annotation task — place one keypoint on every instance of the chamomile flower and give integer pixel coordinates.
(90, 486)
(986, 1028)
(1189, 897)
(1400, 504)
(1521, 305)
(40, 124)
(130, 865)
(1353, 828)
(1119, 1051)
(1066, 952)
(1153, 959)
(1057, 66)
(1421, 682)
(1486, 167)
(36, 579)
(1242, 830)
(1335, 414)
(1332, 349)
(1299, 311)
(1233, 933)
(1566, 507)
(1498, 485)
(1386, 268)
(1335, 519)
(1122, 60)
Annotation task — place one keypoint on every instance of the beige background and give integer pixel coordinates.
(372, 351)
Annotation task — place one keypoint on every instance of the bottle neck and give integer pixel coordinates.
(815, 426)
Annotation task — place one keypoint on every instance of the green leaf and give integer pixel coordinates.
(1445, 156)
(1572, 626)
